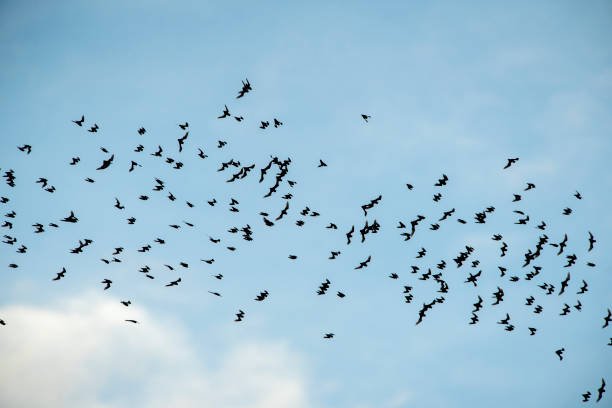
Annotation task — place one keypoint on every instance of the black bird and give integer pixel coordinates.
(70, 218)
(75, 160)
(238, 118)
(201, 154)
(215, 293)
(261, 296)
(94, 128)
(517, 197)
(506, 320)
(592, 241)
(185, 126)
(107, 282)
(441, 182)
(583, 289)
(578, 195)
(564, 284)
(607, 319)
(364, 263)
(142, 131)
(126, 303)
(277, 123)
(239, 315)
(474, 318)
(174, 283)
(322, 163)
(131, 321)
(601, 390)
(559, 353)
(89, 180)
(133, 166)
(532, 331)
(511, 162)
(106, 163)
(246, 87)
(225, 113)
(349, 235)
(340, 294)
(60, 275)
(586, 396)
(181, 140)
(139, 148)
(25, 147)
(365, 117)
(529, 186)
(80, 122)
(158, 153)
(328, 336)
(221, 144)
(473, 278)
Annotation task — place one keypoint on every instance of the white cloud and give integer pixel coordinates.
(82, 353)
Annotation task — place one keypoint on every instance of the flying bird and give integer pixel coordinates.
(106, 163)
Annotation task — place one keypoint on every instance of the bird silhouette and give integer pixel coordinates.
(80, 121)
(106, 163)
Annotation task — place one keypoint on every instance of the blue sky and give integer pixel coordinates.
(451, 89)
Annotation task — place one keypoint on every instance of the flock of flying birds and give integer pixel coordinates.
(407, 232)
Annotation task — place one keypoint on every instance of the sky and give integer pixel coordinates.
(451, 89)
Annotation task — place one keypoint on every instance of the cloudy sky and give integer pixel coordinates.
(451, 89)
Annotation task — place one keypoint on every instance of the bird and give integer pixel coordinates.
(559, 353)
(133, 165)
(60, 275)
(181, 140)
(511, 162)
(185, 126)
(126, 303)
(131, 321)
(322, 163)
(532, 331)
(607, 319)
(239, 315)
(564, 284)
(107, 282)
(592, 241)
(328, 335)
(174, 283)
(246, 87)
(71, 218)
(601, 390)
(80, 121)
(106, 163)
(25, 148)
(365, 117)
(529, 186)
(142, 131)
(277, 123)
(364, 263)
(94, 128)
(225, 113)
(578, 195)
